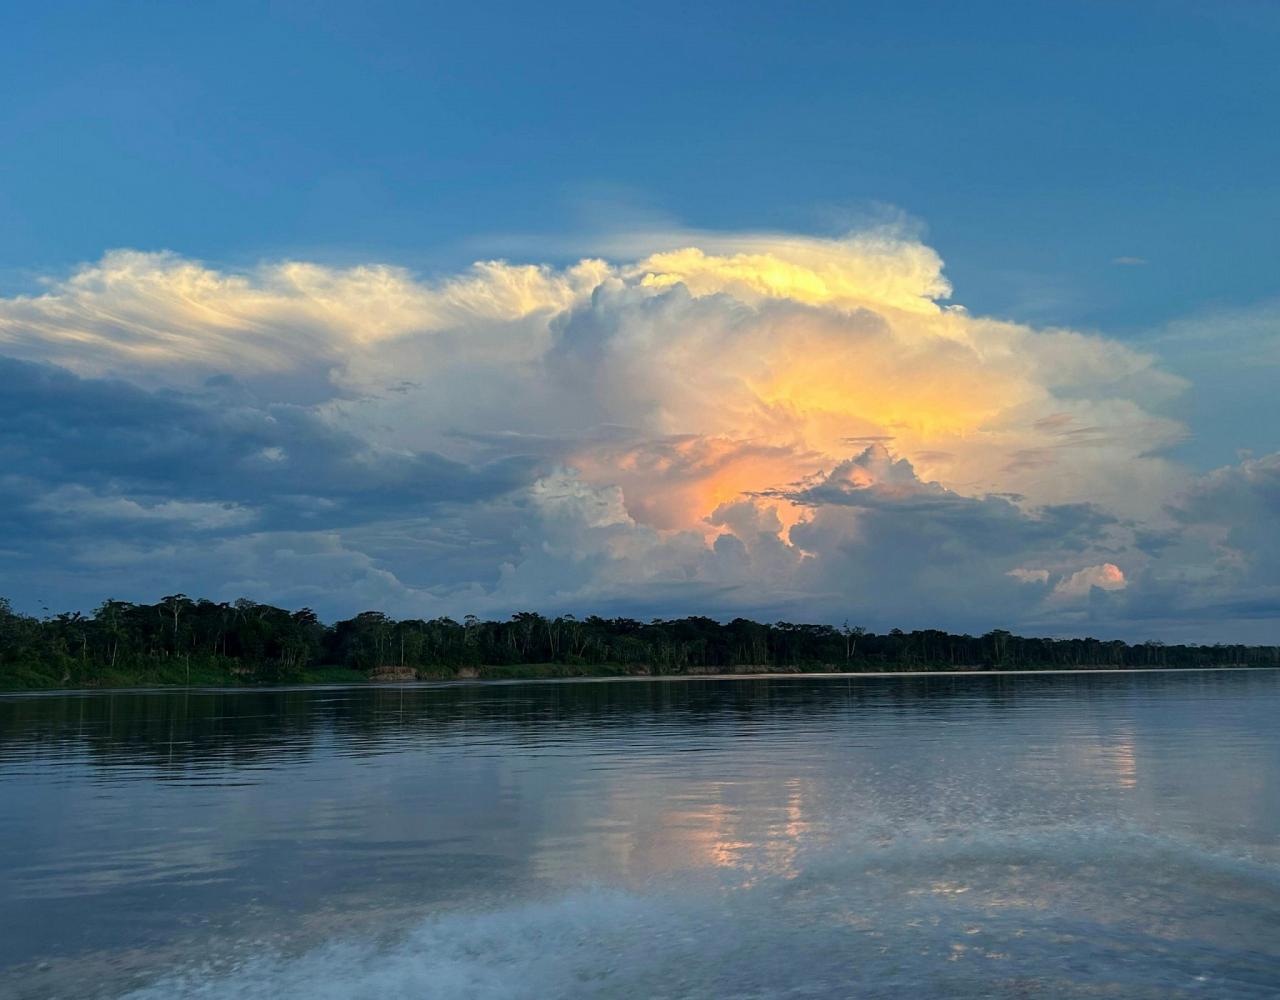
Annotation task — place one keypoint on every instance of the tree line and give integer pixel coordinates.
(179, 638)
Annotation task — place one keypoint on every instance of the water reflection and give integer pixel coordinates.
(958, 820)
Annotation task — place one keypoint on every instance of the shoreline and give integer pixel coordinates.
(429, 683)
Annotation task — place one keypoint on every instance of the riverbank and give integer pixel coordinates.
(25, 678)
(177, 675)
(19, 680)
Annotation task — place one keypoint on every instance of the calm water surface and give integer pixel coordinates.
(950, 837)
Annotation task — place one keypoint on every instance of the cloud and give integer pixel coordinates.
(81, 503)
(1106, 576)
(1129, 261)
(1024, 574)
(101, 472)
(158, 317)
(1235, 511)
(857, 273)
(746, 423)
(1231, 358)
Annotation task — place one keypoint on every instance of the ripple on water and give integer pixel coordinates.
(1070, 835)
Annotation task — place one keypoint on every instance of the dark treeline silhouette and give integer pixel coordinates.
(181, 640)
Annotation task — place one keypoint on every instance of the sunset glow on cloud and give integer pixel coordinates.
(765, 424)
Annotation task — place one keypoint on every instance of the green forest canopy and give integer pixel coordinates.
(245, 641)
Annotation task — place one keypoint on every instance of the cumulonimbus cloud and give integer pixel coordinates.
(756, 422)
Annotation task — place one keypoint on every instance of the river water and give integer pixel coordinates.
(1019, 836)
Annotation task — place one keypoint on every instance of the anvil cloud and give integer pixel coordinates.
(773, 425)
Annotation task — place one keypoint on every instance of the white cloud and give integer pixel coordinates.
(680, 424)
(1024, 575)
(1106, 576)
(158, 316)
(76, 501)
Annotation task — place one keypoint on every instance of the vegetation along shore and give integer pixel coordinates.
(182, 641)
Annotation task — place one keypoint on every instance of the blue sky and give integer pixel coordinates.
(1037, 142)
(1104, 167)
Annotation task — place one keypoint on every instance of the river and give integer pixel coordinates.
(941, 836)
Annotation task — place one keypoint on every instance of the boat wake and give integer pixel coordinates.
(1059, 912)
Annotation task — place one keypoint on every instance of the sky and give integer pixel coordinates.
(915, 314)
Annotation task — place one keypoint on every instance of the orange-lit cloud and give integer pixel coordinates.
(1106, 576)
(698, 415)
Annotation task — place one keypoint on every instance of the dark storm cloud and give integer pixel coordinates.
(101, 452)
(218, 445)
(896, 501)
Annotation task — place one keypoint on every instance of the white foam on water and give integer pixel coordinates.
(1060, 912)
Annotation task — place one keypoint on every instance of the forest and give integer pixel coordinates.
(180, 640)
